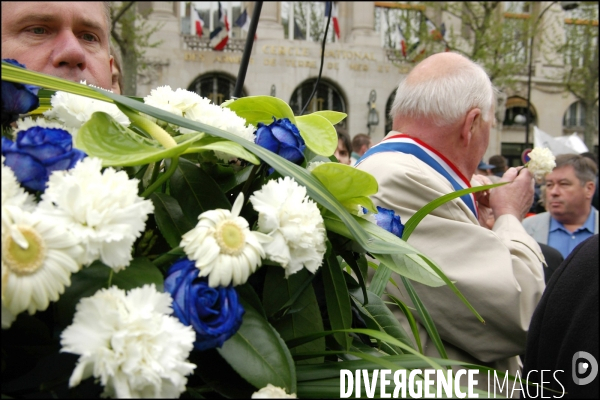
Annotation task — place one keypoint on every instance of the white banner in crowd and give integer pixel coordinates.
(558, 145)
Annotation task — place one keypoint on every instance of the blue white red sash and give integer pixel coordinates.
(405, 144)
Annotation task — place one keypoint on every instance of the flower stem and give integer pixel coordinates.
(161, 179)
(150, 127)
(250, 179)
(110, 276)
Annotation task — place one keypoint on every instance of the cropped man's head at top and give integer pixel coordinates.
(443, 88)
(69, 40)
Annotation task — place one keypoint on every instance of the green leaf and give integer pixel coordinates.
(258, 353)
(334, 117)
(169, 218)
(95, 277)
(381, 314)
(426, 319)
(349, 185)
(337, 297)
(255, 109)
(196, 191)
(105, 138)
(417, 217)
(303, 317)
(223, 145)
(411, 320)
(318, 134)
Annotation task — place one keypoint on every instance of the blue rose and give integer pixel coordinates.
(37, 153)
(17, 98)
(214, 313)
(283, 138)
(389, 221)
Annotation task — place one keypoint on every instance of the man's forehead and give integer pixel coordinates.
(563, 172)
(90, 14)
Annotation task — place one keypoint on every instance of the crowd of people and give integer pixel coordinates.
(483, 241)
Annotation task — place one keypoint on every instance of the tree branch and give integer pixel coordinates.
(123, 11)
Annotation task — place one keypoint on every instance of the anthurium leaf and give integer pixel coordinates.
(169, 218)
(255, 109)
(411, 266)
(258, 353)
(226, 146)
(105, 138)
(337, 298)
(333, 117)
(318, 134)
(349, 185)
(196, 191)
(302, 317)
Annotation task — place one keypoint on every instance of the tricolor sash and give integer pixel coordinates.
(402, 143)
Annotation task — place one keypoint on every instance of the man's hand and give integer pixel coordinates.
(516, 197)
(486, 215)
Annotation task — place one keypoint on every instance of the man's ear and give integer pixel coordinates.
(111, 62)
(470, 125)
(590, 188)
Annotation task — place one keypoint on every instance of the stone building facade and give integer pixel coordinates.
(354, 68)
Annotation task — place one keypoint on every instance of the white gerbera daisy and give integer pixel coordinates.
(272, 392)
(38, 258)
(541, 162)
(73, 110)
(131, 343)
(13, 194)
(223, 246)
(294, 222)
(103, 209)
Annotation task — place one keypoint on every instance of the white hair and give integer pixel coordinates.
(447, 96)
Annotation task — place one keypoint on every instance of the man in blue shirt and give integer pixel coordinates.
(570, 218)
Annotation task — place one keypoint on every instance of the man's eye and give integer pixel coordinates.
(88, 37)
(38, 30)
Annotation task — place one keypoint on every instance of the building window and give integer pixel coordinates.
(575, 116)
(516, 113)
(327, 97)
(217, 87)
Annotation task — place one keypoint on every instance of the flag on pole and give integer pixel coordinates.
(443, 32)
(220, 36)
(432, 29)
(401, 41)
(197, 23)
(416, 51)
(243, 22)
(331, 8)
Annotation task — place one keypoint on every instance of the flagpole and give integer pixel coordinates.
(239, 84)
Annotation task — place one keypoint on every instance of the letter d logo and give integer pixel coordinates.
(579, 368)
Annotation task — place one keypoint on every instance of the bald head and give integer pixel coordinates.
(442, 89)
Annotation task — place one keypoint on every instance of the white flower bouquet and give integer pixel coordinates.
(168, 246)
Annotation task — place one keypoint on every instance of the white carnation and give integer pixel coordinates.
(73, 110)
(28, 122)
(130, 343)
(196, 108)
(103, 209)
(314, 164)
(541, 162)
(272, 392)
(38, 258)
(294, 222)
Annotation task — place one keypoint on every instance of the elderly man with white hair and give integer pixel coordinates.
(442, 115)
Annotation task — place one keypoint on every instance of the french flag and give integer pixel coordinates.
(331, 8)
(219, 37)
(243, 22)
(197, 23)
